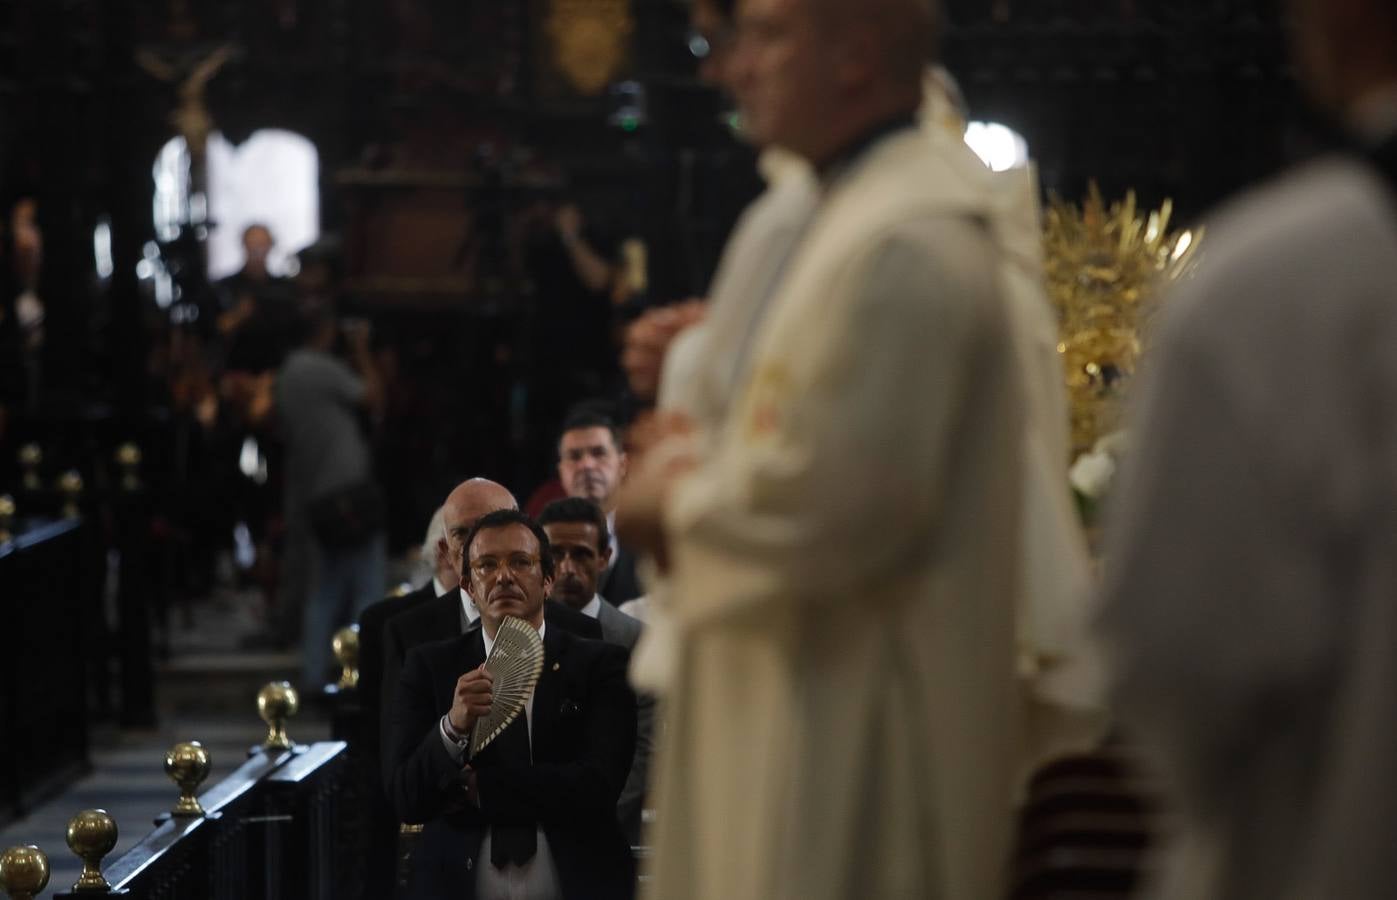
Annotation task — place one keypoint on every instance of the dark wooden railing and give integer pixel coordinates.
(43, 608)
(275, 828)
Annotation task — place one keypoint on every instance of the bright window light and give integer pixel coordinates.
(999, 146)
(272, 179)
(102, 248)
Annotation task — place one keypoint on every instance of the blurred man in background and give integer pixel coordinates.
(1253, 553)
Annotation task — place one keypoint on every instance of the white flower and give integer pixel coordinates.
(1091, 474)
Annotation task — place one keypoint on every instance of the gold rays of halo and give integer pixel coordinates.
(1107, 269)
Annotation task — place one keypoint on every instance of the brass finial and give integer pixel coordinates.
(30, 458)
(346, 647)
(187, 764)
(91, 836)
(7, 517)
(128, 457)
(24, 872)
(70, 486)
(277, 702)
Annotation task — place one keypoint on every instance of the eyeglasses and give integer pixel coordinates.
(487, 567)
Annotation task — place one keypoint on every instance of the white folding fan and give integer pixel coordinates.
(515, 661)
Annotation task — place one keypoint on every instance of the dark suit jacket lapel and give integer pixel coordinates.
(547, 692)
(475, 647)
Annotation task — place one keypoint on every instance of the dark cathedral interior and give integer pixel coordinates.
(177, 175)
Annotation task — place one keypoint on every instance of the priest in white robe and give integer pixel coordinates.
(845, 557)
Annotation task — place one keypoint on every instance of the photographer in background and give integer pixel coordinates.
(335, 549)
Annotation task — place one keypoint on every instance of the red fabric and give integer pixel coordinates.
(544, 494)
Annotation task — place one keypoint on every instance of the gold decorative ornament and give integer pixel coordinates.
(1106, 273)
(128, 458)
(187, 764)
(346, 648)
(30, 458)
(92, 835)
(277, 702)
(24, 872)
(589, 40)
(70, 486)
(7, 517)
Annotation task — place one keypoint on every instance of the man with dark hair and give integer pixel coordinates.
(533, 814)
(580, 547)
(455, 612)
(592, 465)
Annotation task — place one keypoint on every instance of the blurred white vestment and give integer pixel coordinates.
(845, 716)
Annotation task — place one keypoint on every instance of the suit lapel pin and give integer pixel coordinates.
(555, 667)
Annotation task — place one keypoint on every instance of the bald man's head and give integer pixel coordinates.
(903, 32)
(467, 504)
(814, 76)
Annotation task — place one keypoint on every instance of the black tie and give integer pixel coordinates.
(513, 843)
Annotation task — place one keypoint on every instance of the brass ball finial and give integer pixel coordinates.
(277, 702)
(187, 764)
(128, 457)
(7, 516)
(92, 835)
(346, 648)
(24, 872)
(30, 458)
(70, 486)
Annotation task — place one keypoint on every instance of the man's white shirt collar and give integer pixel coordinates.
(437, 587)
(468, 606)
(593, 607)
(615, 547)
(538, 877)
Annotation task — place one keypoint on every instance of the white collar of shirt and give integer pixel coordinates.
(437, 587)
(615, 547)
(593, 607)
(468, 606)
(538, 877)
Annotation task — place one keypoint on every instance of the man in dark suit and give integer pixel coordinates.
(591, 464)
(453, 612)
(533, 814)
(580, 545)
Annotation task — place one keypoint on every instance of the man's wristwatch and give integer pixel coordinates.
(460, 740)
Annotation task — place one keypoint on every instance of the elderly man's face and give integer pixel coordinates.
(782, 72)
(506, 576)
(459, 517)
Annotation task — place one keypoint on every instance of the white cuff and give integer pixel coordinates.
(455, 744)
